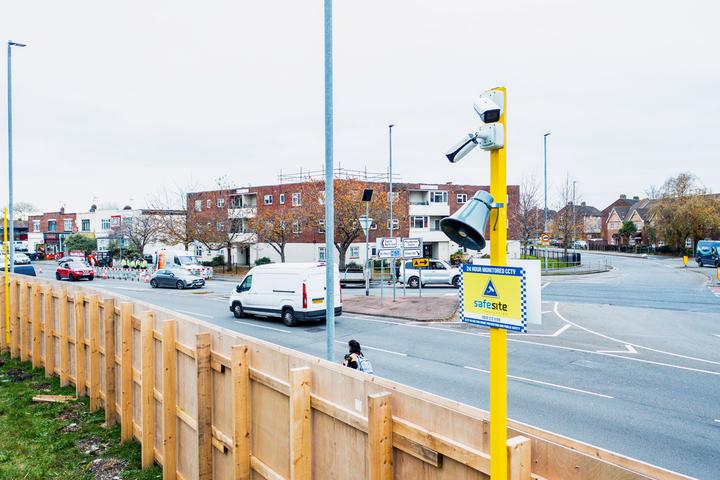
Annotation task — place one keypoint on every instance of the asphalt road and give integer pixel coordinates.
(627, 360)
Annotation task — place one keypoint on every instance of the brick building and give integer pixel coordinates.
(417, 210)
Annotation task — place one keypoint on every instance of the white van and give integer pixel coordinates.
(291, 291)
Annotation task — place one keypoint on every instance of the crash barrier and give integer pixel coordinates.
(209, 403)
(132, 275)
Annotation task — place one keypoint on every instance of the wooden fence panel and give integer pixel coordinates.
(169, 363)
(23, 323)
(64, 340)
(109, 358)
(14, 334)
(49, 331)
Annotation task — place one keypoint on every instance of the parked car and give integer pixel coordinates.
(579, 245)
(352, 275)
(708, 253)
(291, 291)
(74, 271)
(175, 278)
(438, 273)
(20, 259)
(25, 270)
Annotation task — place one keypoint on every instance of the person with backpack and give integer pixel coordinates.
(355, 358)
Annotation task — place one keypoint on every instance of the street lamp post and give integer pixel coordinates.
(573, 212)
(11, 241)
(545, 224)
(329, 190)
(392, 260)
(366, 222)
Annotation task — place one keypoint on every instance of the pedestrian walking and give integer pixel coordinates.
(355, 358)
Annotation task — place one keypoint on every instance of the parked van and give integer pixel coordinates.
(181, 259)
(291, 291)
(708, 253)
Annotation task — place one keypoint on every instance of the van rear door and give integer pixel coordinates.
(316, 291)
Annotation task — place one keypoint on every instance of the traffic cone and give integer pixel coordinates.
(147, 277)
(104, 274)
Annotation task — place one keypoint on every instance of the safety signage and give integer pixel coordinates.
(412, 252)
(545, 238)
(420, 262)
(494, 296)
(387, 242)
(389, 253)
(412, 243)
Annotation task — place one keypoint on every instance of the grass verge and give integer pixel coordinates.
(58, 440)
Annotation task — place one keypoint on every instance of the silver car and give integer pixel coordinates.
(175, 278)
(439, 272)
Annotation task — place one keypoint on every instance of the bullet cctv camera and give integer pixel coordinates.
(489, 105)
(462, 148)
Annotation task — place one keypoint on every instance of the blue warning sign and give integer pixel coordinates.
(490, 289)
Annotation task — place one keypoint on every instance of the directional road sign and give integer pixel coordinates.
(420, 262)
(386, 242)
(389, 253)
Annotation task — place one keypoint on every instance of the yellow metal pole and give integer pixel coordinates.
(498, 337)
(7, 277)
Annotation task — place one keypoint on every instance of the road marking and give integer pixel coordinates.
(716, 335)
(544, 285)
(195, 313)
(717, 420)
(262, 326)
(628, 349)
(376, 348)
(687, 357)
(555, 385)
(547, 311)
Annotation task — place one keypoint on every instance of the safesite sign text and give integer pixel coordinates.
(494, 296)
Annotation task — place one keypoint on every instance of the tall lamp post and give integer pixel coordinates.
(390, 201)
(574, 225)
(329, 190)
(10, 152)
(545, 224)
(365, 223)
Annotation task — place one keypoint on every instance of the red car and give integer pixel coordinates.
(74, 271)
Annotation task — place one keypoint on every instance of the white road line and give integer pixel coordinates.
(262, 326)
(195, 314)
(376, 348)
(628, 349)
(555, 308)
(529, 380)
(717, 420)
(544, 285)
(547, 311)
(716, 335)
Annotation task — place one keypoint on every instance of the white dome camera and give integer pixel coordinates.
(488, 106)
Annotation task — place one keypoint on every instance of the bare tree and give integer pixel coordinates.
(21, 210)
(528, 214)
(171, 209)
(141, 230)
(565, 225)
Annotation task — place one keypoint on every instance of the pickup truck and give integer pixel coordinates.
(352, 276)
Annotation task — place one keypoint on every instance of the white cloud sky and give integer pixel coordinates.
(112, 102)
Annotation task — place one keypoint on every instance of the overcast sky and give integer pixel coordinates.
(113, 101)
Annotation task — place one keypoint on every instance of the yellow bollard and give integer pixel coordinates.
(685, 260)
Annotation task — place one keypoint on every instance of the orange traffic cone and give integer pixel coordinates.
(147, 277)
(104, 274)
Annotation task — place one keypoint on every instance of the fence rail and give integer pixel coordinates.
(206, 403)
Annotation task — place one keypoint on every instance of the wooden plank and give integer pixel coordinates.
(519, 458)
(109, 348)
(418, 451)
(204, 406)
(80, 373)
(4, 330)
(126, 371)
(380, 437)
(49, 326)
(169, 405)
(36, 354)
(300, 424)
(23, 324)
(64, 345)
(94, 318)
(263, 470)
(147, 386)
(240, 374)
(53, 398)
(14, 334)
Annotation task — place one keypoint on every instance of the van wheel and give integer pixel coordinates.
(456, 281)
(288, 316)
(413, 282)
(238, 310)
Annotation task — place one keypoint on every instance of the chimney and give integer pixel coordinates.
(582, 204)
(636, 198)
(62, 210)
(623, 196)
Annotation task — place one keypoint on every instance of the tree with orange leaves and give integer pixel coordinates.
(276, 227)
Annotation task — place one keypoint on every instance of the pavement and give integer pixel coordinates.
(422, 309)
(627, 360)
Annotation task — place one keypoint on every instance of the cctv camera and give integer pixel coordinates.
(491, 137)
(487, 110)
(462, 148)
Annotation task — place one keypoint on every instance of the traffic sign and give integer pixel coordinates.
(412, 252)
(386, 242)
(545, 238)
(412, 243)
(421, 262)
(389, 253)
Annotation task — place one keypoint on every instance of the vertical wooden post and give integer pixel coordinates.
(64, 345)
(240, 371)
(24, 314)
(169, 405)
(94, 353)
(300, 424)
(36, 327)
(49, 325)
(80, 370)
(519, 458)
(147, 386)
(14, 334)
(126, 372)
(109, 345)
(204, 405)
(380, 437)
(4, 344)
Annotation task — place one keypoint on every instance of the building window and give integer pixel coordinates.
(438, 197)
(354, 252)
(105, 224)
(461, 197)
(198, 205)
(419, 222)
(268, 200)
(220, 203)
(198, 250)
(52, 225)
(85, 225)
(436, 224)
(282, 199)
(67, 225)
(296, 200)
(36, 225)
(321, 226)
(208, 203)
(220, 226)
(296, 227)
(395, 224)
(321, 254)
